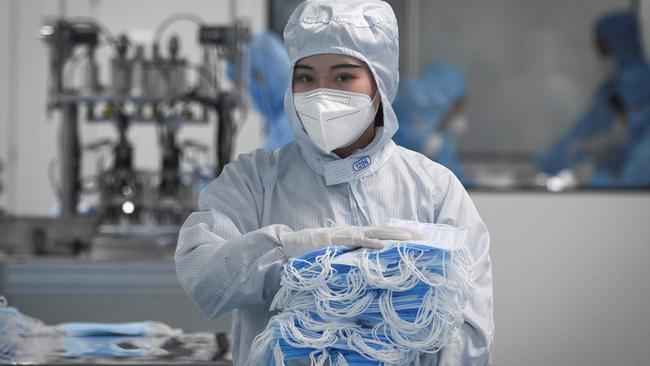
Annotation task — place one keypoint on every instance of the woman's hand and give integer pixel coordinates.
(300, 242)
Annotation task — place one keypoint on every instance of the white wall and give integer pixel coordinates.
(4, 95)
(32, 136)
(571, 277)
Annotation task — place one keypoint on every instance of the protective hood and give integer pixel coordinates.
(620, 31)
(366, 30)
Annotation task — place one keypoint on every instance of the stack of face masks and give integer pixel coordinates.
(369, 307)
(14, 327)
(114, 339)
(8, 330)
(25, 339)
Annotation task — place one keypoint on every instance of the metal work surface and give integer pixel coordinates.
(58, 290)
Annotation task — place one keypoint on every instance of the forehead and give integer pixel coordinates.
(326, 60)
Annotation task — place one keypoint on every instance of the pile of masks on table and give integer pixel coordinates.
(370, 307)
(24, 339)
(14, 326)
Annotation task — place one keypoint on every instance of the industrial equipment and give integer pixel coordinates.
(148, 83)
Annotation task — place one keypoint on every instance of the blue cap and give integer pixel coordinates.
(619, 31)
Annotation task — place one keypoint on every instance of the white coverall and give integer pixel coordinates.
(230, 256)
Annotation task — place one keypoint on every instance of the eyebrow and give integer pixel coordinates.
(341, 66)
(333, 67)
(301, 66)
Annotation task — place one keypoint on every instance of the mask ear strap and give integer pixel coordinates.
(373, 101)
(375, 97)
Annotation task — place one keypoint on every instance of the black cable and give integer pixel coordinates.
(108, 36)
(202, 72)
(173, 19)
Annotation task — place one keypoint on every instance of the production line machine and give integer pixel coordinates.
(106, 254)
(135, 212)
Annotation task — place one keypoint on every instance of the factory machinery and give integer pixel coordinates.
(136, 212)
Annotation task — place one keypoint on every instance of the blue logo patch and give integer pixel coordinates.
(361, 164)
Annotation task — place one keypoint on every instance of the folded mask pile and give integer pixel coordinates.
(370, 307)
(24, 339)
(14, 327)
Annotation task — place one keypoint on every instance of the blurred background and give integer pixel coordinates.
(114, 115)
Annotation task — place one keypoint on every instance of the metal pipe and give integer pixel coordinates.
(224, 131)
(70, 159)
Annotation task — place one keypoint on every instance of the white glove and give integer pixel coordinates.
(304, 241)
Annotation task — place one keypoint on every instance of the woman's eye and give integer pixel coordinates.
(303, 78)
(345, 77)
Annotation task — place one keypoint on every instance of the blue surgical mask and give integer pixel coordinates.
(136, 329)
(100, 346)
(351, 307)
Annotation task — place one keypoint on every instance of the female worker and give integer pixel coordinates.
(342, 167)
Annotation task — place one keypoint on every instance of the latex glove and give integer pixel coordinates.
(304, 241)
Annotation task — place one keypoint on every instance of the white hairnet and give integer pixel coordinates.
(364, 29)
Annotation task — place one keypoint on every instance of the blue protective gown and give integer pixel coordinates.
(596, 120)
(620, 33)
(229, 255)
(628, 164)
(448, 156)
(420, 106)
(268, 73)
(634, 88)
(636, 171)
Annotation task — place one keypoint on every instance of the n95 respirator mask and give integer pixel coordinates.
(334, 118)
